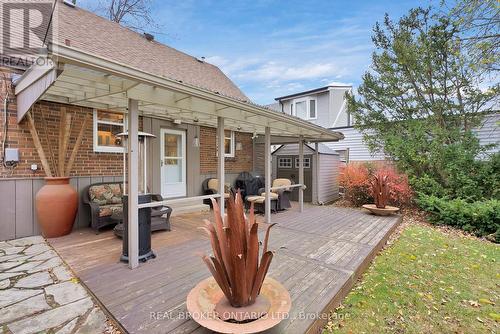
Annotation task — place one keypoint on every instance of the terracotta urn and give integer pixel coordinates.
(56, 207)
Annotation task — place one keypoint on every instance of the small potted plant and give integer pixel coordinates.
(380, 192)
(238, 298)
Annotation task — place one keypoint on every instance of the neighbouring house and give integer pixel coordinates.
(326, 106)
(122, 80)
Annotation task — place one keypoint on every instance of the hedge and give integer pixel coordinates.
(481, 217)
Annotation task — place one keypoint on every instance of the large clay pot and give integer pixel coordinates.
(56, 206)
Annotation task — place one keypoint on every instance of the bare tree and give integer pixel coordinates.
(134, 14)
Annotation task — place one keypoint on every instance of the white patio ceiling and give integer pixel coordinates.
(90, 81)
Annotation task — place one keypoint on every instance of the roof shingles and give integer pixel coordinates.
(93, 34)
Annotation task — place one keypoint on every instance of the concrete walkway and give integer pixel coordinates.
(39, 294)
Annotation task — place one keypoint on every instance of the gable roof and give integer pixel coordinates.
(92, 34)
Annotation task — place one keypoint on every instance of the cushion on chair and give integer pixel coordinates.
(214, 185)
(104, 194)
(281, 183)
(108, 210)
(255, 199)
(273, 195)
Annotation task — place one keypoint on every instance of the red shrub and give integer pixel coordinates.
(400, 193)
(355, 179)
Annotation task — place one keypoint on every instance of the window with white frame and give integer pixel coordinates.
(304, 108)
(106, 126)
(284, 162)
(229, 144)
(307, 162)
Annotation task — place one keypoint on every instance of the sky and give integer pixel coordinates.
(274, 48)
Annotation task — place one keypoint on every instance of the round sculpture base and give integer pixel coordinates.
(208, 306)
(387, 211)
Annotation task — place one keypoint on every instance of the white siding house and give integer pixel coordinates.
(326, 106)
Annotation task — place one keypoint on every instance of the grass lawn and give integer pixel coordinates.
(427, 281)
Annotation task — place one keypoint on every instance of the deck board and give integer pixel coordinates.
(318, 254)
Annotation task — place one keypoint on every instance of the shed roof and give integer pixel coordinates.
(293, 149)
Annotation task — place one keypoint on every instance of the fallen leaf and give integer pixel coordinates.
(486, 301)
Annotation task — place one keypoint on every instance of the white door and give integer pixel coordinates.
(173, 163)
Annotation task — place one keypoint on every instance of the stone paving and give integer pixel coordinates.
(38, 293)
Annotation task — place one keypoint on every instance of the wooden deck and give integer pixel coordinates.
(319, 255)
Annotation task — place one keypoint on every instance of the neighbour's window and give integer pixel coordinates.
(304, 108)
(307, 162)
(285, 162)
(106, 126)
(312, 109)
(343, 155)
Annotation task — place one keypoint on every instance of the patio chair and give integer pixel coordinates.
(281, 195)
(160, 215)
(211, 187)
(106, 207)
(105, 202)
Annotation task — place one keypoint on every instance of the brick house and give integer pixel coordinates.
(120, 78)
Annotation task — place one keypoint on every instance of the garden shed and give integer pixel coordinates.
(321, 170)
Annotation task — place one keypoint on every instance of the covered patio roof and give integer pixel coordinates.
(87, 80)
(72, 76)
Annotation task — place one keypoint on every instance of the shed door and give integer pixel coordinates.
(288, 169)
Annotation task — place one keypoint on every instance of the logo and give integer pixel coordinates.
(27, 28)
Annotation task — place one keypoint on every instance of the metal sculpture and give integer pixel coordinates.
(380, 190)
(235, 263)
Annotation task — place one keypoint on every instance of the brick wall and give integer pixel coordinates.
(242, 160)
(87, 162)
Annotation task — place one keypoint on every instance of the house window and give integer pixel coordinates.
(307, 162)
(285, 162)
(304, 108)
(229, 144)
(106, 126)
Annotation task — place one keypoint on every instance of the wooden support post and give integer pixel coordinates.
(267, 173)
(133, 183)
(220, 162)
(301, 173)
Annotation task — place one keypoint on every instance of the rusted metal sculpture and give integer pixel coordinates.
(380, 190)
(239, 298)
(235, 263)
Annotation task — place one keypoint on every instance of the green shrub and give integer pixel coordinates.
(481, 217)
